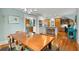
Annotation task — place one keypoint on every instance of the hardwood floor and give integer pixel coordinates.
(63, 43)
(4, 47)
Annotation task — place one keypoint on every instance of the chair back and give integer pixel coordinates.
(20, 35)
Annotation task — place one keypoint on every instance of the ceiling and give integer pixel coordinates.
(49, 12)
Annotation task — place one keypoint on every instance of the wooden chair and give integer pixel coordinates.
(10, 41)
(20, 35)
(14, 40)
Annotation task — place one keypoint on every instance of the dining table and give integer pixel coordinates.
(37, 42)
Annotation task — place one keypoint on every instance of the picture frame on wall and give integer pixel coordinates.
(13, 19)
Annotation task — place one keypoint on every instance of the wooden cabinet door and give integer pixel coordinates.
(47, 22)
(57, 22)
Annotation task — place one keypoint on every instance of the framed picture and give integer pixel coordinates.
(13, 19)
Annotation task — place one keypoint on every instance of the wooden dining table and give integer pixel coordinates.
(36, 42)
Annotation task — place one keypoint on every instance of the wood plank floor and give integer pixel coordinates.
(64, 44)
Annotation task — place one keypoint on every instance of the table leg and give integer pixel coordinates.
(49, 45)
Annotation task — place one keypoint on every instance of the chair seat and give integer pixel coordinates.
(26, 49)
(18, 48)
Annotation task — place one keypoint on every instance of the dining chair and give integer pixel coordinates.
(10, 41)
(20, 35)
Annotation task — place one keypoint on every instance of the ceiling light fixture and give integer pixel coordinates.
(29, 10)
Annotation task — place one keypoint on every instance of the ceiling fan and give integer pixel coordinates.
(30, 10)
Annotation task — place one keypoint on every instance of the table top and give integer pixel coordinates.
(37, 42)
